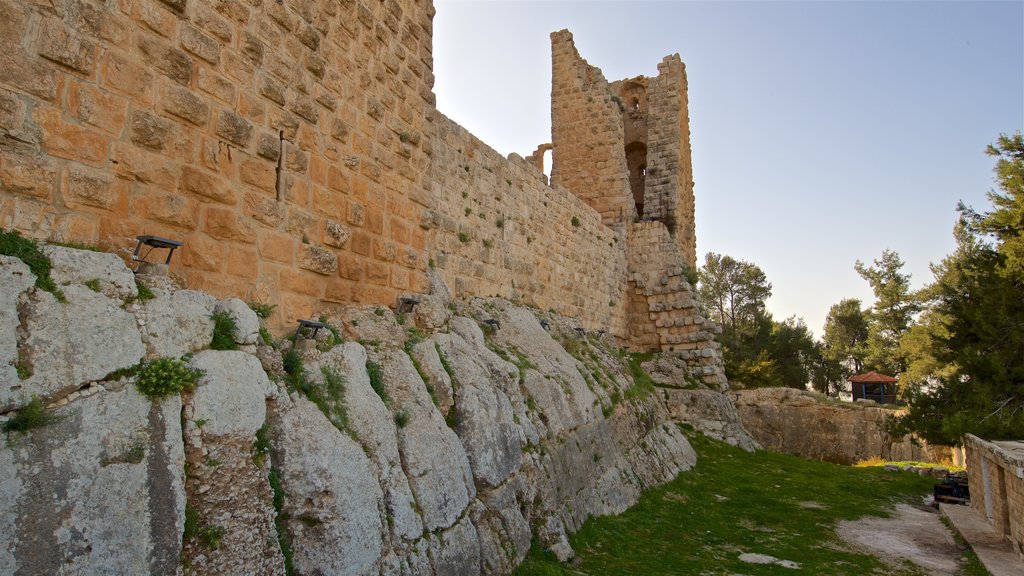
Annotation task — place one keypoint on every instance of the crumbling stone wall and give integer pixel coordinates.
(281, 141)
(663, 310)
(498, 229)
(586, 131)
(668, 195)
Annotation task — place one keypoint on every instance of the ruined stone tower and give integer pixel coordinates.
(624, 146)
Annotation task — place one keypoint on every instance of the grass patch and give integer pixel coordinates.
(133, 454)
(261, 445)
(376, 374)
(879, 462)
(295, 372)
(93, 284)
(734, 502)
(12, 243)
(642, 386)
(280, 521)
(195, 529)
(224, 328)
(166, 376)
(30, 416)
(145, 294)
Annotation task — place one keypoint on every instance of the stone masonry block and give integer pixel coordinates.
(319, 259)
(89, 186)
(186, 104)
(268, 146)
(259, 173)
(150, 130)
(12, 111)
(58, 43)
(224, 224)
(277, 247)
(69, 140)
(305, 107)
(200, 44)
(193, 180)
(273, 89)
(26, 175)
(336, 234)
(167, 59)
(106, 111)
(122, 74)
(234, 128)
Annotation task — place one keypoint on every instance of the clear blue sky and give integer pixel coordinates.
(822, 132)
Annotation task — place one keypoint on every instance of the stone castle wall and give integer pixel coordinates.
(281, 141)
(295, 149)
(498, 229)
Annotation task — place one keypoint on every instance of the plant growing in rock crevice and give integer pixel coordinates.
(166, 376)
(376, 374)
(451, 418)
(30, 416)
(224, 328)
(12, 243)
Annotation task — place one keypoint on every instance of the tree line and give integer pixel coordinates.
(957, 345)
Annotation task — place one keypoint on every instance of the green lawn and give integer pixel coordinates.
(731, 503)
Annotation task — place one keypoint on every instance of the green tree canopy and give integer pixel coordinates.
(757, 350)
(968, 368)
(891, 315)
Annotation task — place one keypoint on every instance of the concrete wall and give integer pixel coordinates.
(995, 472)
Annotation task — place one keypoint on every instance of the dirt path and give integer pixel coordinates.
(911, 533)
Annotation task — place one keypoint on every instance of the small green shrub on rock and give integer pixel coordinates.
(224, 328)
(166, 376)
(12, 243)
(31, 415)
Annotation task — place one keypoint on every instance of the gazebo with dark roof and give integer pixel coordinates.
(874, 386)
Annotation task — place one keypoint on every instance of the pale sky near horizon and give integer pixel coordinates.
(823, 132)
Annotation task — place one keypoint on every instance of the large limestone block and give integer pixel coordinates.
(247, 323)
(231, 395)
(712, 413)
(374, 426)
(177, 322)
(437, 465)
(487, 426)
(333, 498)
(457, 551)
(69, 344)
(15, 279)
(73, 266)
(98, 492)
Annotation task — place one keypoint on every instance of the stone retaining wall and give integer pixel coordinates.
(995, 472)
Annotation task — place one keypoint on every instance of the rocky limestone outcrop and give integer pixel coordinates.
(441, 441)
(806, 424)
(98, 491)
